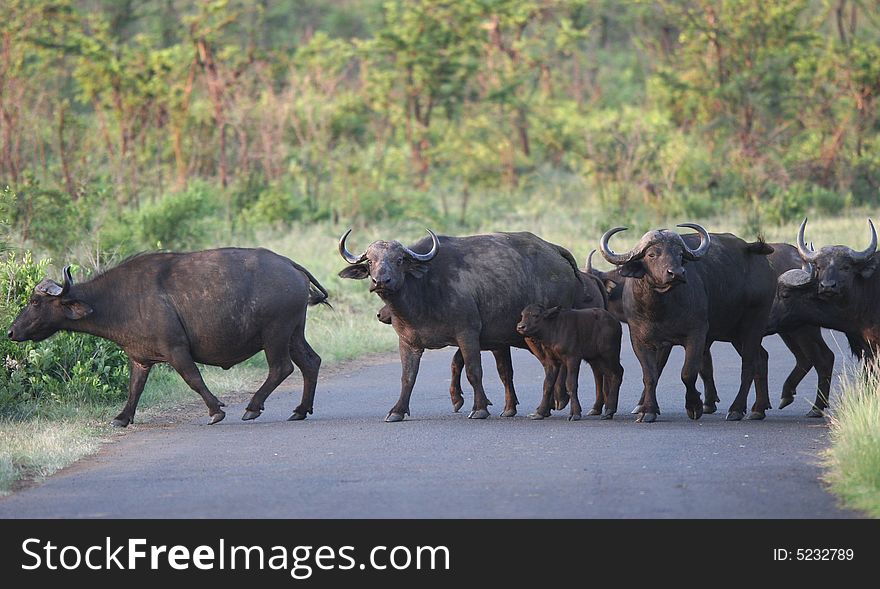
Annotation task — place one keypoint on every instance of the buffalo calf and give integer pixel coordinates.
(566, 337)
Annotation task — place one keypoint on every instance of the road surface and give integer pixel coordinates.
(345, 462)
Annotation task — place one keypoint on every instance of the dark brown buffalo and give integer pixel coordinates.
(594, 297)
(725, 296)
(566, 337)
(217, 307)
(805, 343)
(465, 292)
(838, 270)
(835, 287)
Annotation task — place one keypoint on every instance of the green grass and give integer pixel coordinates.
(853, 460)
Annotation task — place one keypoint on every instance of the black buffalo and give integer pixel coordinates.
(217, 307)
(835, 287)
(725, 296)
(594, 298)
(805, 342)
(465, 292)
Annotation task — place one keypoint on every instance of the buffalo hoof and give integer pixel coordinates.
(695, 412)
(457, 405)
(394, 417)
(538, 415)
(646, 418)
(248, 415)
(508, 413)
(594, 411)
(636, 410)
(709, 409)
(607, 416)
(296, 416)
(757, 415)
(785, 401)
(734, 415)
(216, 418)
(222, 404)
(120, 422)
(815, 413)
(479, 414)
(574, 417)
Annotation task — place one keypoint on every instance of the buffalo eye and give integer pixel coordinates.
(399, 261)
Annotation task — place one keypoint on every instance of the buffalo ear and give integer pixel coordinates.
(75, 310)
(417, 269)
(610, 284)
(869, 267)
(355, 272)
(551, 313)
(634, 269)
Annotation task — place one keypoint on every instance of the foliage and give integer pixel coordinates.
(67, 368)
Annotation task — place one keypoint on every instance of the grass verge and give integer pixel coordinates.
(853, 461)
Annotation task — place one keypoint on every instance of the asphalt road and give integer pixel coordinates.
(345, 462)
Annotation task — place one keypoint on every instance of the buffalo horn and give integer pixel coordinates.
(807, 254)
(869, 251)
(68, 281)
(608, 254)
(428, 256)
(347, 255)
(704, 242)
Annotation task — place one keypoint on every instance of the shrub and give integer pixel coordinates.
(67, 367)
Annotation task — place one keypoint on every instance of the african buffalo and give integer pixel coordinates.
(465, 292)
(217, 307)
(805, 343)
(726, 297)
(568, 336)
(835, 287)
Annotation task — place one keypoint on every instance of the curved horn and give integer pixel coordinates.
(68, 281)
(869, 251)
(705, 241)
(608, 254)
(807, 254)
(589, 267)
(428, 256)
(347, 255)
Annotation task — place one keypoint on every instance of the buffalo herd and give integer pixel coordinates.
(490, 292)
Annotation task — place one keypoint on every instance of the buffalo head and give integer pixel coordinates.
(658, 258)
(532, 317)
(386, 263)
(48, 311)
(834, 268)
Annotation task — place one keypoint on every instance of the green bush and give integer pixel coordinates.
(65, 368)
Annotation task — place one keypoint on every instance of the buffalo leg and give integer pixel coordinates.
(410, 358)
(822, 359)
(572, 367)
(183, 363)
(551, 375)
(473, 369)
(662, 354)
(455, 391)
(280, 367)
(613, 371)
(601, 390)
(802, 366)
(504, 364)
(693, 361)
(707, 374)
(749, 348)
(649, 358)
(309, 363)
(560, 395)
(137, 378)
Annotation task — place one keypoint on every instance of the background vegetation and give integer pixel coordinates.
(169, 124)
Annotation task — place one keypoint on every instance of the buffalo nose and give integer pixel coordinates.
(9, 334)
(676, 273)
